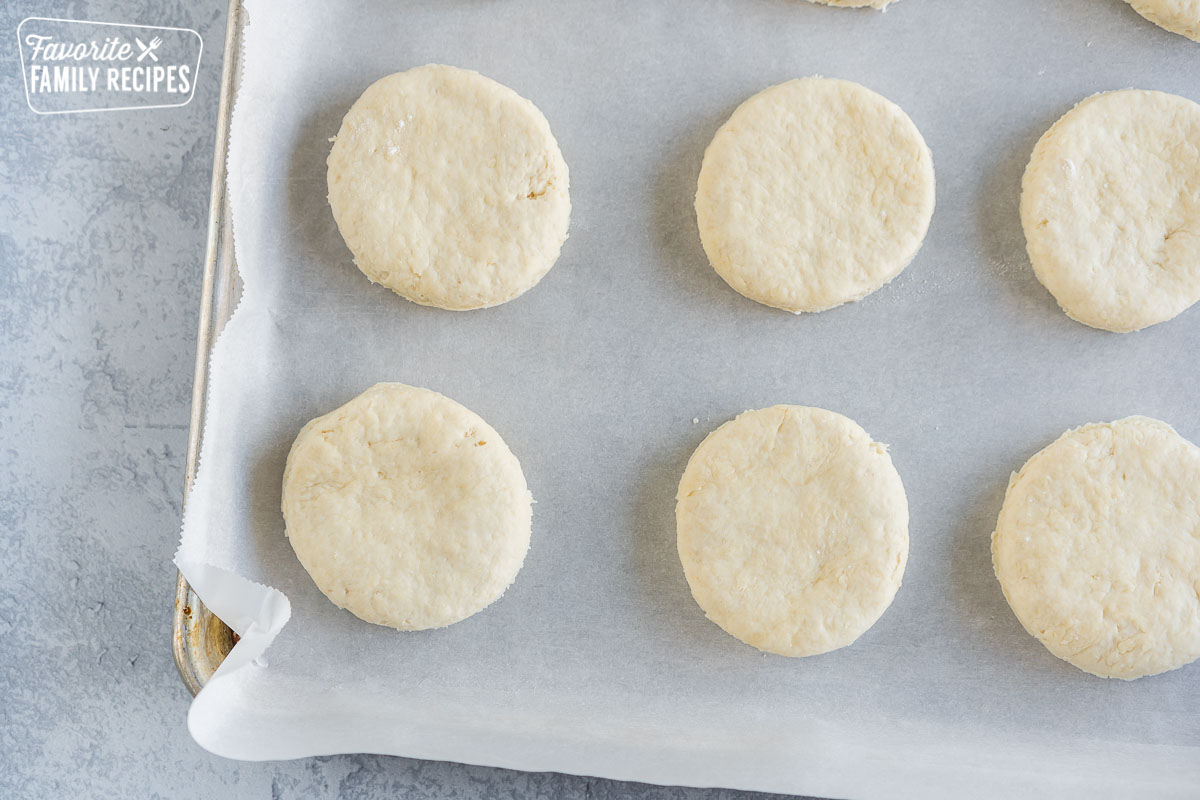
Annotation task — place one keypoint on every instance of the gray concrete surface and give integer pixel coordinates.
(102, 221)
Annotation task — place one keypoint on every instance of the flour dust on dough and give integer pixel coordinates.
(407, 509)
(1110, 204)
(1097, 548)
(793, 529)
(449, 188)
(814, 193)
(1177, 16)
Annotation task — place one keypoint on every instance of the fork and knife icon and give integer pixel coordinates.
(148, 49)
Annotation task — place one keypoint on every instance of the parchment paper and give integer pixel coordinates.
(597, 661)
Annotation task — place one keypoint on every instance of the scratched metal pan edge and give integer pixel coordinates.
(200, 639)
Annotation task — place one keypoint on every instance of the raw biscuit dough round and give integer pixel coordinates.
(792, 529)
(407, 509)
(1097, 548)
(1110, 204)
(449, 188)
(1177, 16)
(814, 193)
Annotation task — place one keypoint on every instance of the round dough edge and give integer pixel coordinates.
(1117, 259)
(406, 508)
(780, 205)
(449, 188)
(754, 533)
(1106, 586)
(1177, 16)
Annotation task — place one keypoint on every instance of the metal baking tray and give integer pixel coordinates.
(200, 639)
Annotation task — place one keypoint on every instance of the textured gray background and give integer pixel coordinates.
(102, 222)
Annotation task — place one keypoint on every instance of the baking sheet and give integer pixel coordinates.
(597, 661)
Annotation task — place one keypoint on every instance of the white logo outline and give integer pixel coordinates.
(147, 51)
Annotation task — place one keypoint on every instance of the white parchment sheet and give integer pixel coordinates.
(597, 661)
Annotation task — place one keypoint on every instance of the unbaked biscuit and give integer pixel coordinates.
(1110, 204)
(1177, 16)
(814, 193)
(406, 508)
(793, 529)
(449, 188)
(1097, 548)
